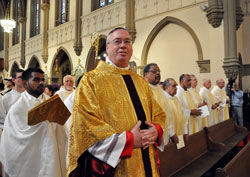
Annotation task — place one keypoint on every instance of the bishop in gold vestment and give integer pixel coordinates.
(103, 108)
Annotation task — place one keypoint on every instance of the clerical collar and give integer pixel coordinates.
(64, 90)
(181, 89)
(154, 86)
(218, 87)
(204, 88)
(111, 63)
(168, 95)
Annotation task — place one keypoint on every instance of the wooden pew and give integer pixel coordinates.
(203, 150)
(192, 160)
(228, 133)
(239, 166)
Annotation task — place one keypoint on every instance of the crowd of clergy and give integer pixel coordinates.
(180, 102)
(41, 150)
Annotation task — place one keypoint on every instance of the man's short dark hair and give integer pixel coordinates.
(147, 68)
(182, 77)
(166, 83)
(27, 73)
(17, 71)
(113, 30)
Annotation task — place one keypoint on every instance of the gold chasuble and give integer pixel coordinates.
(103, 107)
(206, 95)
(193, 128)
(178, 119)
(210, 96)
(220, 95)
(197, 99)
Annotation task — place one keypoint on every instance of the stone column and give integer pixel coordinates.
(23, 38)
(45, 7)
(6, 51)
(130, 18)
(78, 41)
(231, 62)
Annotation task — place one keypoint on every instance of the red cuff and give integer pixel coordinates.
(127, 151)
(160, 133)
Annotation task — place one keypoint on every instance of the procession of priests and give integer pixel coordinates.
(118, 118)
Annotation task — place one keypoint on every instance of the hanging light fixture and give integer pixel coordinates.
(7, 23)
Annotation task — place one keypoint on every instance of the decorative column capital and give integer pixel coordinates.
(204, 66)
(132, 32)
(78, 48)
(22, 19)
(45, 57)
(215, 13)
(45, 6)
(231, 67)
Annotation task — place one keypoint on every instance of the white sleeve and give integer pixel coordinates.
(109, 150)
(161, 146)
(3, 110)
(186, 128)
(171, 130)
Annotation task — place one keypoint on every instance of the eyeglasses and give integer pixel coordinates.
(119, 42)
(154, 71)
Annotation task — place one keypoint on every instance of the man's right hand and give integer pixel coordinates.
(175, 139)
(137, 135)
(195, 112)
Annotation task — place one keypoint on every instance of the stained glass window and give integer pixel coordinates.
(34, 18)
(62, 13)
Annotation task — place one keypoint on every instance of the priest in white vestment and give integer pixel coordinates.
(187, 103)
(179, 124)
(151, 74)
(206, 95)
(32, 151)
(12, 96)
(220, 97)
(68, 87)
(198, 101)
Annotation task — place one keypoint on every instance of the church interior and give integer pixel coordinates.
(207, 38)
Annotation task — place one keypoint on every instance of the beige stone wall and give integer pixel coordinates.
(174, 49)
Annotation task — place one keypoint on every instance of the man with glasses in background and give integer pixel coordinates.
(11, 97)
(115, 118)
(151, 74)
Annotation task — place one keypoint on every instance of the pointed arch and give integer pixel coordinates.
(90, 62)
(65, 65)
(34, 62)
(14, 67)
(160, 26)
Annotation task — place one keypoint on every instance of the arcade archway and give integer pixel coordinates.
(90, 63)
(34, 63)
(14, 68)
(61, 66)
